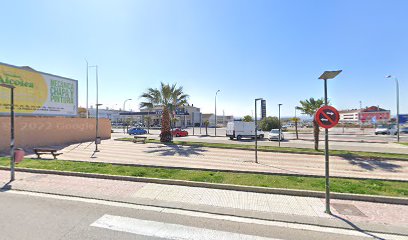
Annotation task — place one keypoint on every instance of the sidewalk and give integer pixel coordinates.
(375, 217)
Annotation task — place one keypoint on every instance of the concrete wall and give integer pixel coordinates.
(50, 131)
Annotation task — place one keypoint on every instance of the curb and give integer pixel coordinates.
(281, 191)
(233, 171)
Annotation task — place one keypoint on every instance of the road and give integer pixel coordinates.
(352, 140)
(33, 216)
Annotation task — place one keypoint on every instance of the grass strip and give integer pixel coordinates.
(370, 187)
(341, 153)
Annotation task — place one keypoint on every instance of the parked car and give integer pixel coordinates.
(404, 130)
(240, 129)
(179, 132)
(136, 131)
(274, 135)
(383, 129)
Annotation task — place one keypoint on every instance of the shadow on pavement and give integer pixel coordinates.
(6, 187)
(355, 227)
(370, 164)
(173, 150)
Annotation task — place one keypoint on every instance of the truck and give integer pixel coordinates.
(240, 129)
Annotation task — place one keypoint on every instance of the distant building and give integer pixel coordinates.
(350, 116)
(222, 120)
(371, 114)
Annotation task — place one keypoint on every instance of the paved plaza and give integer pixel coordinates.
(231, 159)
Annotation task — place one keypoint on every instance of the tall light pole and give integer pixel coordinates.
(87, 78)
(280, 125)
(97, 106)
(12, 140)
(216, 111)
(124, 109)
(256, 131)
(97, 139)
(397, 89)
(327, 75)
(124, 103)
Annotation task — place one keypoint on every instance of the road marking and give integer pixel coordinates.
(166, 230)
(296, 226)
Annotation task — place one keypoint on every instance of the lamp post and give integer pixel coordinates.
(256, 131)
(124, 109)
(397, 90)
(97, 139)
(325, 76)
(12, 141)
(216, 111)
(87, 78)
(280, 127)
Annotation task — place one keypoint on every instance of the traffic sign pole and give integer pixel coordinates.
(326, 155)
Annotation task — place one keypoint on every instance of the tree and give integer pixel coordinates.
(269, 123)
(168, 97)
(148, 119)
(206, 123)
(309, 107)
(247, 118)
(296, 120)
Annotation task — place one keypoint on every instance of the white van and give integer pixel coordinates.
(240, 129)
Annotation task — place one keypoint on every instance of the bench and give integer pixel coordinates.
(139, 139)
(40, 151)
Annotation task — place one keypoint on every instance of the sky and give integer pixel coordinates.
(269, 49)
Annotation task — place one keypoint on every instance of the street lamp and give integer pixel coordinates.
(216, 111)
(87, 77)
(12, 163)
(327, 75)
(256, 131)
(97, 139)
(280, 127)
(397, 89)
(124, 103)
(124, 106)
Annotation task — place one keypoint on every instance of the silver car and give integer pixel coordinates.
(274, 135)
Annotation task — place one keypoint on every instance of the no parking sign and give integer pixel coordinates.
(327, 117)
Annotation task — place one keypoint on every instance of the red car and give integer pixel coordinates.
(179, 133)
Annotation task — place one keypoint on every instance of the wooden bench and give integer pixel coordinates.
(40, 151)
(139, 139)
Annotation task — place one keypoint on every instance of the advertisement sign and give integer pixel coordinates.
(37, 93)
(263, 109)
(403, 118)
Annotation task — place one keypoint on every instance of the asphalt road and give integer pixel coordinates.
(26, 215)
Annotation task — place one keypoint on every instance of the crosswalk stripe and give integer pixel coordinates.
(167, 230)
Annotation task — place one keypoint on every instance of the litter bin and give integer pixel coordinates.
(18, 155)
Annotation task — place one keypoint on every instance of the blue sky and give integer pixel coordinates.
(247, 49)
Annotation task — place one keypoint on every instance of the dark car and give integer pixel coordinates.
(136, 131)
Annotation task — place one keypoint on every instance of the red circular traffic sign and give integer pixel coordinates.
(327, 117)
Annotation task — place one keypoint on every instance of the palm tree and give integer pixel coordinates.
(169, 97)
(206, 123)
(309, 107)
